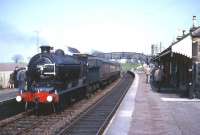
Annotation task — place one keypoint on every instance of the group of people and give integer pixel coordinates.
(18, 79)
(157, 75)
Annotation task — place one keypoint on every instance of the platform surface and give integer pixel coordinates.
(144, 111)
(6, 94)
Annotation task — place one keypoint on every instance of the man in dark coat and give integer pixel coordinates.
(11, 80)
(15, 77)
(21, 78)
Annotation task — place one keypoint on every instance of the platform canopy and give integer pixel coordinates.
(183, 47)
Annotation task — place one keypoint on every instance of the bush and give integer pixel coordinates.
(129, 66)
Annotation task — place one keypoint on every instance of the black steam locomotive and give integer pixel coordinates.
(57, 78)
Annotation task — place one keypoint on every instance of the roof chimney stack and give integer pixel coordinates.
(194, 21)
(183, 32)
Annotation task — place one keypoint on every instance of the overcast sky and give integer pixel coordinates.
(103, 25)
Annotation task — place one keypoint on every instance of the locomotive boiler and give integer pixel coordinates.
(53, 69)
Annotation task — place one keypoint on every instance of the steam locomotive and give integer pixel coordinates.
(57, 78)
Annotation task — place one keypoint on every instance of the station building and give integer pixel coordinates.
(181, 62)
(5, 70)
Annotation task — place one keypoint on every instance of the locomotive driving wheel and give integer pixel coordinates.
(53, 107)
(36, 107)
(88, 91)
(26, 107)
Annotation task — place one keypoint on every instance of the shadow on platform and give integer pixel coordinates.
(169, 89)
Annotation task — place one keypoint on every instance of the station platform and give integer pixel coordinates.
(6, 94)
(144, 111)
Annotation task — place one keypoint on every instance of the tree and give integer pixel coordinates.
(17, 58)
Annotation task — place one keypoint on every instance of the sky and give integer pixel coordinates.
(102, 25)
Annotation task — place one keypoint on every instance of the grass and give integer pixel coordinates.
(129, 66)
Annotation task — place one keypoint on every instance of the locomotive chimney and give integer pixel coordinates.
(46, 49)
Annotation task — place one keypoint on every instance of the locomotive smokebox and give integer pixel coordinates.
(46, 49)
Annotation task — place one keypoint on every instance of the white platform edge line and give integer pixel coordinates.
(179, 100)
(134, 86)
(7, 100)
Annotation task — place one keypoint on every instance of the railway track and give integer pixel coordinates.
(10, 108)
(96, 118)
(57, 123)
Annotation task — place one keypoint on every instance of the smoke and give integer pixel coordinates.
(14, 41)
(12, 36)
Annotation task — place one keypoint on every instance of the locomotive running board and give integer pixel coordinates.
(70, 89)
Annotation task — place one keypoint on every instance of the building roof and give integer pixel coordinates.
(196, 33)
(10, 66)
(182, 46)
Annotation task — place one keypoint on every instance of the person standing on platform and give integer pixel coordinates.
(11, 80)
(159, 77)
(15, 77)
(21, 78)
(147, 72)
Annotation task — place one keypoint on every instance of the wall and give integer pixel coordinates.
(4, 78)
